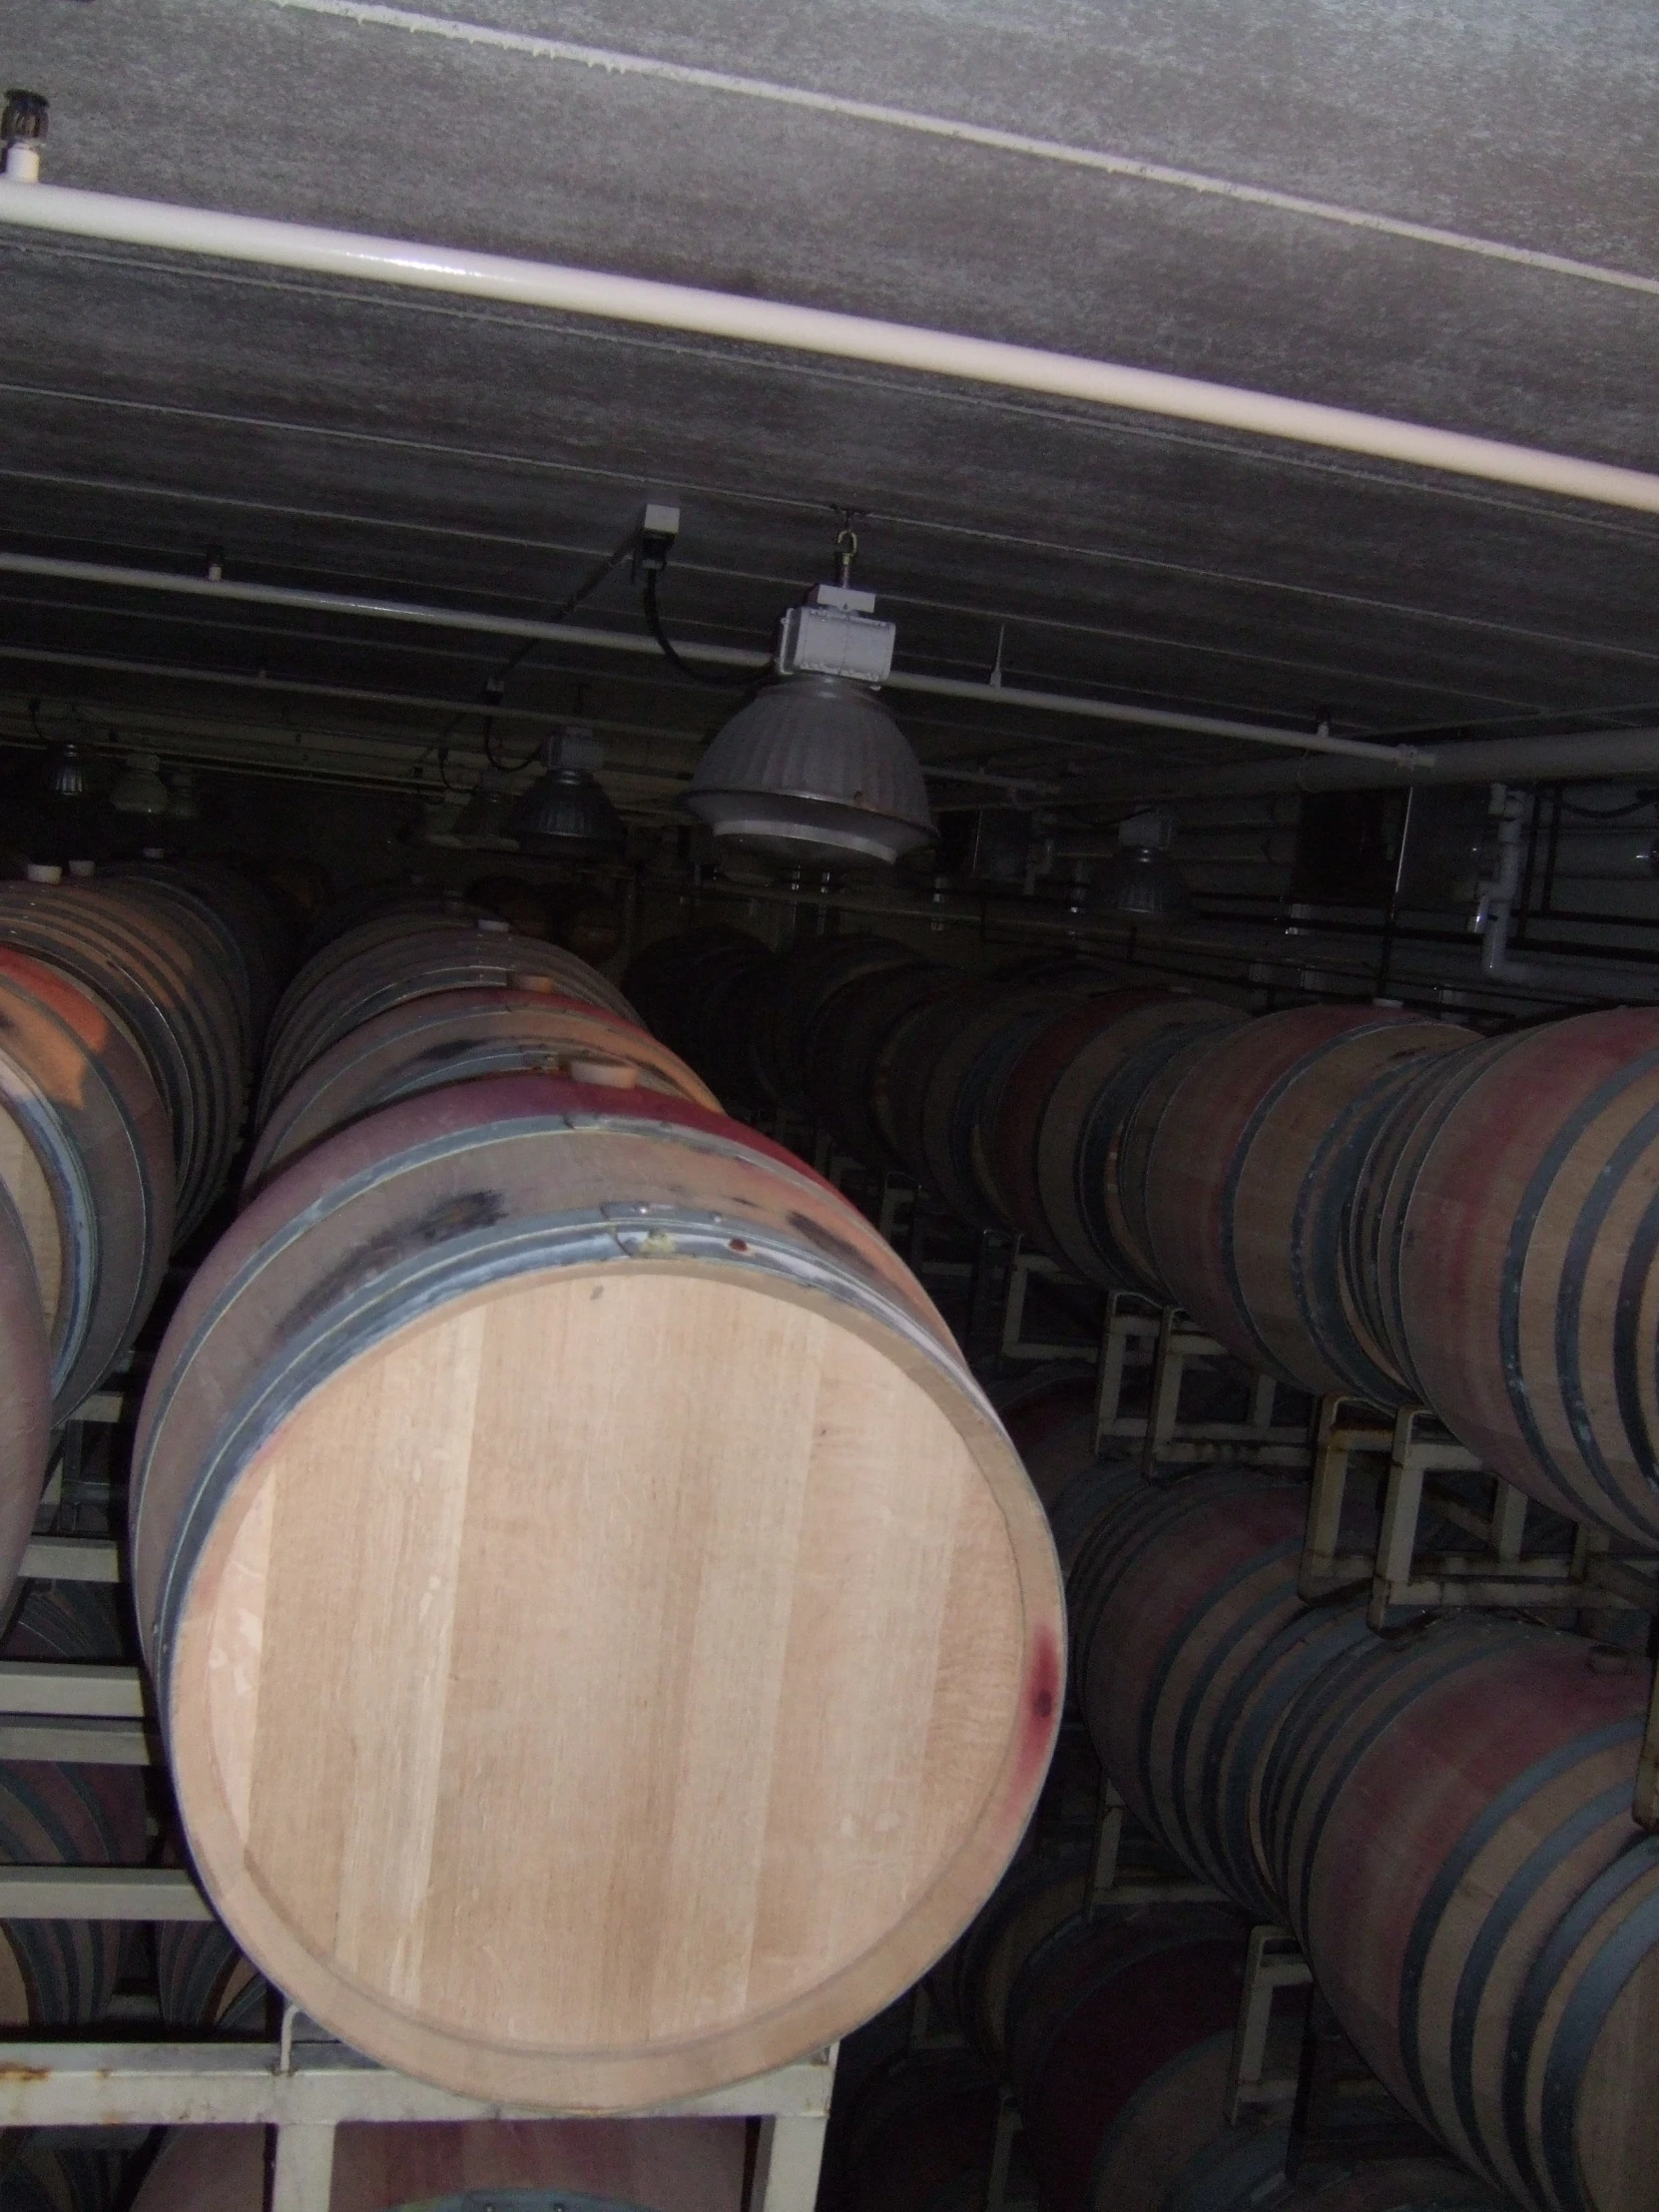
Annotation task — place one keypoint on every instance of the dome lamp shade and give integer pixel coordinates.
(139, 789)
(815, 772)
(567, 813)
(482, 821)
(1140, 881)
(66, 771)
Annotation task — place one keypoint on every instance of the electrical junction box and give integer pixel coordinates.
(835, 634)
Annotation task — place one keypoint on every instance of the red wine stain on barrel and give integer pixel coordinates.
(1042, 1707)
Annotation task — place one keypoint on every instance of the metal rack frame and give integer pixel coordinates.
(306, 2084)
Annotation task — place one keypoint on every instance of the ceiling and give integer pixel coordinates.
(464, 455)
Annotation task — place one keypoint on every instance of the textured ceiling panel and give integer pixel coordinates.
(463, 455)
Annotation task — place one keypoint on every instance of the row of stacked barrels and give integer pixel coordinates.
(1356, 1198)
(1442, 1816)
(604, 1639)
(1109, 2022)
(132, 1006)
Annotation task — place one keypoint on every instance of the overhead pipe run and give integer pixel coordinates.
(116, 220)
(362, 608)
(1583, 757)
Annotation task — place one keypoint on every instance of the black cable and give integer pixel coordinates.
(508, 767)
(1609, 814)
(653, 623)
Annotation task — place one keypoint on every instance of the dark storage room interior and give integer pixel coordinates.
(829, 1106)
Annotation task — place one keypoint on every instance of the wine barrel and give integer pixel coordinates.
(771, 1645)
(1101, 2008)
(1451, 1814)
(1242, 2168)
(180, 901)
(593, 928)
(1061, 1115)
(1517, 1243)
(524, 905)
(255, 933)
(1041, 1892)
(408, 905)
(351, 981)
(909, 1060)
(719, 1026)
(698, 992)
(203, 1981)
(665, 982)
(459, 1036)
(303, 888)
(58, 1973)
(1052, 1426)
(459, 2166)
(1167, 2130)
(78, 1621)
(798, 983)
(1175, 1593)
(962, 1094)
(1246, 1741)
(38, 2174)
(917, 2136)
(1226, 1167)
(163, 982)
(846, 1039)
(25, 1388)
(86, 1161)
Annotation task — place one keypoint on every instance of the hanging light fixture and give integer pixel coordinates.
(66, 771)
(484, 820)
(1140, 881)
(183, 801)
(815, 771)
(440, 822)
(566, 813)
(139, 789)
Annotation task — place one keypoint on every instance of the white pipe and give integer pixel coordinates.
(610, 298)
(1584, 757)
(1401, 757)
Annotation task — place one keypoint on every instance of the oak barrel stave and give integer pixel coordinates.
(1226, 1167)
(1075, 1165)
(1452, 1937)
(86, 1160)
(1522, 1238)
(1173, 1599)
(367, 972)
(461, 1036)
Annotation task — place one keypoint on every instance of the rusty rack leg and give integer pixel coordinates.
(1108, 1842)
(1398, 1545)
(1509, 1529)
(1273, 1962)
(1009, 2125)
(1130, 1331)
(1169, 1365)
(898, 1197)
(1337, 1435)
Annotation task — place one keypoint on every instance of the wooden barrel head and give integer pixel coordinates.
(555, 1737)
